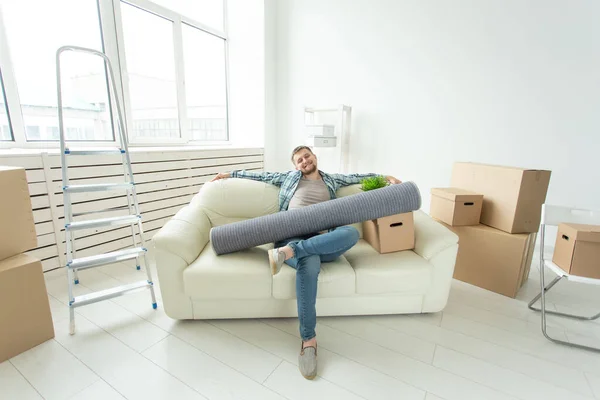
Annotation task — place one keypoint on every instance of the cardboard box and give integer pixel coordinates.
(17, 229)
(577, 250)
(25, 319)
(512, 197)
(493, 259)
(390, 234)
(456, 207)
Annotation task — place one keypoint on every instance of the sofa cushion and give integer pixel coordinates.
(336, 279)
(241, 275)
(400, 272)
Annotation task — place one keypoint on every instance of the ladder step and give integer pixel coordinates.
(97, 187)
(107, 258)
(94, 152)
(109, 293)
(98, 223)
(104, 211)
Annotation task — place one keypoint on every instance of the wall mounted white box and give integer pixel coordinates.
(320, 130)
(322, 141)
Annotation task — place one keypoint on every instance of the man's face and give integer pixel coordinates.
(305, 161)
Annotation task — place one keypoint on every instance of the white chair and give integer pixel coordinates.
(553, 216)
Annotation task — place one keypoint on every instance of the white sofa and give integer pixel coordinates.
(195, 283)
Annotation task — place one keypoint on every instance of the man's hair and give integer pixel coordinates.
(300, 148)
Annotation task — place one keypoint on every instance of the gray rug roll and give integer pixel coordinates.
(373, 204)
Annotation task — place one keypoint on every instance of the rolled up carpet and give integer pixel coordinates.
(373, 204)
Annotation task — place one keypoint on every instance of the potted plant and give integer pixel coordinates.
(375, 182)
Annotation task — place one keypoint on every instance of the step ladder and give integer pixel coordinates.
(73, 263)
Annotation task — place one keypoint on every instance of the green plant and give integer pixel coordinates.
(375, 182)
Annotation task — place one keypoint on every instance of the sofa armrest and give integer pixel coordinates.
(184, 235)
(439, 246)
(431, 237)
(178, 243)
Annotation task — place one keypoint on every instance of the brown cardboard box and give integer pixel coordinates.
(25, 319)
(17, 229)
(456, 207)
(577, 250)
(512, 197)
(493, 259)
(389, 234)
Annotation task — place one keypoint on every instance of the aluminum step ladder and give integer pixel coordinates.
(73, 263)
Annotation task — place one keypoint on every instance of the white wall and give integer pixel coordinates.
(271, 66)
(433, 82)
(246, 72)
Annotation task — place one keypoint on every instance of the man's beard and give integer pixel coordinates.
(312, 169)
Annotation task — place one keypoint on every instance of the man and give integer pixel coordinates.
(300, 188)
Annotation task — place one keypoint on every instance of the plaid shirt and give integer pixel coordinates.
(288, 182)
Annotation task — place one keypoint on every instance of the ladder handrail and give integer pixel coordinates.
(74, 263)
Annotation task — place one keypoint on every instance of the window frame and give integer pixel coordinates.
(111, 29)
(13, 103)
(5, 106)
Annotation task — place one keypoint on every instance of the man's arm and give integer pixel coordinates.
(352, 179)
(274, 178)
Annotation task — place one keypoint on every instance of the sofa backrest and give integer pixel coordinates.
(231, 200)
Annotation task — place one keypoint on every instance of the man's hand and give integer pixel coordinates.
(392, 180)
(222, 175)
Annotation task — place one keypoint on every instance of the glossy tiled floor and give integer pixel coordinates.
(483, 346)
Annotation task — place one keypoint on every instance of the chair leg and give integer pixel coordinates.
(543, 310)
(547, 288)
(574, 316)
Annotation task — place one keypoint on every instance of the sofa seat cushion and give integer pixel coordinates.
(240, 275)
(336, 279)
(400, 272)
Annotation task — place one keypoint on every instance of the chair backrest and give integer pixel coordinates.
(554, 215)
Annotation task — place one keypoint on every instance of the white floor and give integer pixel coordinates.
(483, 346)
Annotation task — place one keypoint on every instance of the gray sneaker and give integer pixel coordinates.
(276, 259)
(307, 362)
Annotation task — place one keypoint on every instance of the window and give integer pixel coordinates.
(169, 58)
(52, 132)
(208, 12)
(5, 131)
(179, 98)
(150, 62)
(32, 132)
(33, 38)
(205, 84)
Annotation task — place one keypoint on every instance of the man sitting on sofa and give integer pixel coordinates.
(303, 187)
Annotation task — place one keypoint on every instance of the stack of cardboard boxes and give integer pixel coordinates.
(495, 249)
(25, 319)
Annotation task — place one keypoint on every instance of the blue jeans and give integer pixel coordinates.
(309, 252)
